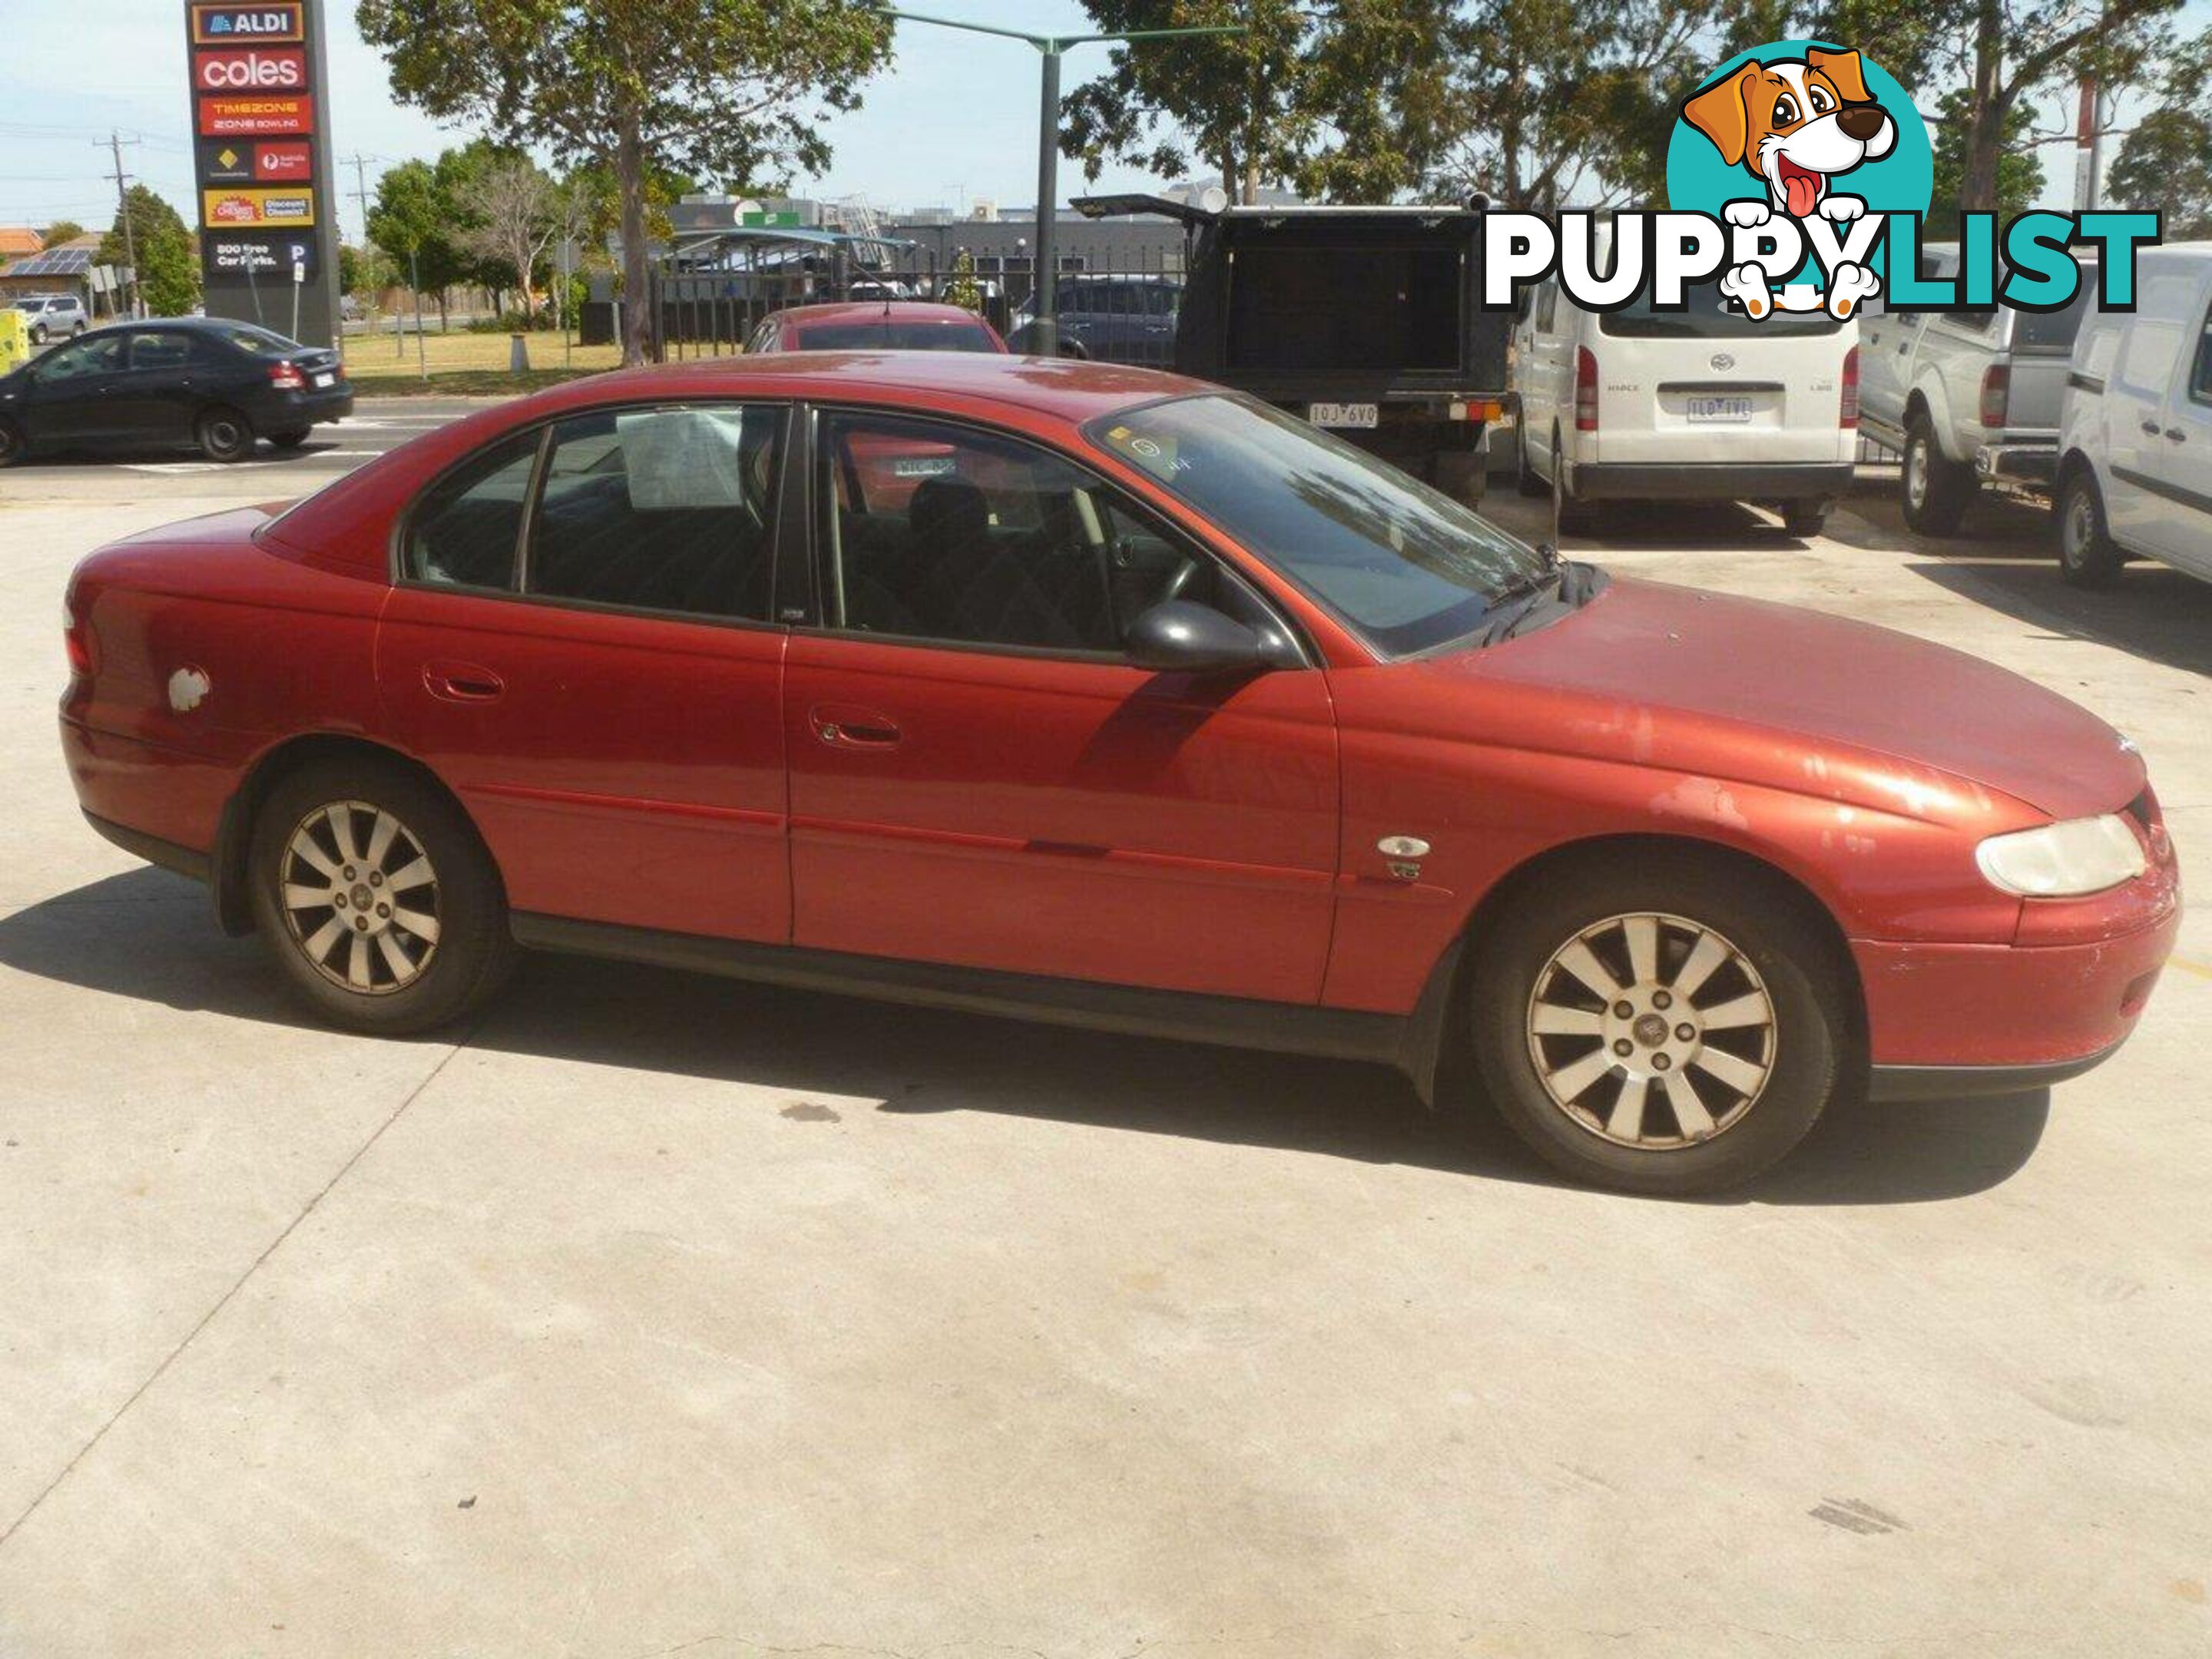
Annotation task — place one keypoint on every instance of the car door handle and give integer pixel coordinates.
(461, 681)
(2175, 434)
(2150, 427)
(854, 728)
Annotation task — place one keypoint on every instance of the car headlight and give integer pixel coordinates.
(2058, 860)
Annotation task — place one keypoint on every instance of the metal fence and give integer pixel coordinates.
(1118, 309)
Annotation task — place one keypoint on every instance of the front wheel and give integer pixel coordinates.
(382, 907)
(224, 435)
(1661, 1026)
(12, 447)
(38, 334)
(2086, 555)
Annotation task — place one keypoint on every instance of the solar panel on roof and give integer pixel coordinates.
(54, 262)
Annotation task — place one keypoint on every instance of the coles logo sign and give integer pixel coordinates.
(250, 72)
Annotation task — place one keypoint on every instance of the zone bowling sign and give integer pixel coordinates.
(260, 97)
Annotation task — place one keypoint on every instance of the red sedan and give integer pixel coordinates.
(1156, 710)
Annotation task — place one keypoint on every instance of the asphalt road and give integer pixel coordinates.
(658, 1315)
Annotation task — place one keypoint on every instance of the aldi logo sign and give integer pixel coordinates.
(232, 26)
(241, 209)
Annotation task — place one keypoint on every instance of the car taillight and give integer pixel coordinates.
(77, 639)
(1996, 393)
(286, 377)
(1585, 389)
(1847, 412)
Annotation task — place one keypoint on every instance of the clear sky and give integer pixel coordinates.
(954, 118)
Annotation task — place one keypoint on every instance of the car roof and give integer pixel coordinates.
(870, 311)
(1057, 388)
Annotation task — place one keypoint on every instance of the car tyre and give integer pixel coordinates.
(416, 937)
(1805, 519)
(76, 330)
(12, 445)
(289, 440)
(38, 334)
(1525, 479)
(1937, 489)
(1569, 516)
(1682, 940)
(224, 434)
(2087, 554)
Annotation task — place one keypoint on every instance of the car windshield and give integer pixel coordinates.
(1406, 566)
(894, 337)
(1706, 315)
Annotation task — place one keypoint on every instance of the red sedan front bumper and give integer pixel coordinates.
(1959, 1019)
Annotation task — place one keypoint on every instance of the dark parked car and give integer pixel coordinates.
(203, 380)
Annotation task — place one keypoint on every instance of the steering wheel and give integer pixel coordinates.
(1179, 582)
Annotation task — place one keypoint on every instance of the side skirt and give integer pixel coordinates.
(1232, 1022)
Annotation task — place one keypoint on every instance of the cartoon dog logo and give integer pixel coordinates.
(1794, 124)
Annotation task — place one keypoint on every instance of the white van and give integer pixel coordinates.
(1699, 405)
(2134, 432)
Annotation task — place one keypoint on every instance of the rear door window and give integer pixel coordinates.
(1708, 314)
(660, 509)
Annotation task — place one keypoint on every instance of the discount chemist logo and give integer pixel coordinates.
(1797, 174)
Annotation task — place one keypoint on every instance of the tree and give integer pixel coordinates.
(62, 230)
(516, 209)
(1234, 100)
(722, 87)
(412, 220)
(1553, 101)
(168, 279)
(2020, 172)
(2167, 164)
(1993, 51)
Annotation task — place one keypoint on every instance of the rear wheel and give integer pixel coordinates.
(289, 439)
(1525, 477)
(76, 329)
(1568, 514)
(381, 907)
(1658, 1025)
(224, 434)
(1804, 518)
(1937, 490)
(2086, 555)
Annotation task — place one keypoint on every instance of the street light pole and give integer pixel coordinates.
(1051, 46)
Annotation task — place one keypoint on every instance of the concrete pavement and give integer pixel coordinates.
(662, 1315)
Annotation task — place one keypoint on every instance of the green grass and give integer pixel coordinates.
(465, 365)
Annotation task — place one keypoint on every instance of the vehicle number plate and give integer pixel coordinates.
(1350, 414)
(924, 466)
(324, 380)
(1720, 409)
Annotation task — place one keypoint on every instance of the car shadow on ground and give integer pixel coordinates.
(148, 935)
(1643, 527)
(2152, 612)
(86, 460)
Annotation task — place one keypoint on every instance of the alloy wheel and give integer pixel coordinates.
(1651, 1031)
(361, 897)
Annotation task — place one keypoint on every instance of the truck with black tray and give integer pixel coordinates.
(1364, 319)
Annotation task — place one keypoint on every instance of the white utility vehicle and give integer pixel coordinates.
(2135, 466)
(1699, 405)
(1969, 397)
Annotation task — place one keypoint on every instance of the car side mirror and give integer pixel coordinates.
(1178, 637)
